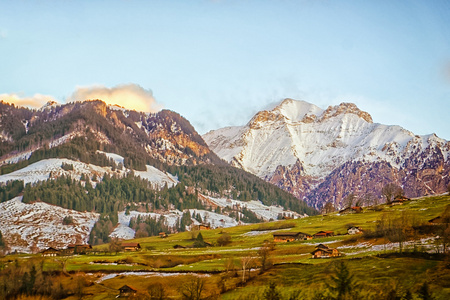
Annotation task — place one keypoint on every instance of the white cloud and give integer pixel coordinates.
(36, 101)
(130, 96)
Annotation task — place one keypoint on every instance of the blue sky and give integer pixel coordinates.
(218, 62)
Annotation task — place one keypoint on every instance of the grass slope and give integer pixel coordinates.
(375, 266)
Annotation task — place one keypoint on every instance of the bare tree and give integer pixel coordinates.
(115, 245)
(246, 263)
(328, 208)
(62, 261)
(157, 292)
(349, 199)
(193, 288)
(390, 191)
(264, 254)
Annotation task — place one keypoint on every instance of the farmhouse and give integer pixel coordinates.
(321, 234)
(354, 230)
(351, 210)
(290, 236)
(78, 249)
(203, 226)
(126, 291)
(131, 246)
(50, 252)
(323, 251)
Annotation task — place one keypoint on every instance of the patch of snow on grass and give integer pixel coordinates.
(261, 210)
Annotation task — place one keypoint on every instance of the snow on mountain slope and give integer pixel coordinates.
(297, 146)
(262, 211)
(157, 177)
(36, 226)
(46, 168)
(319, 139)
(41, 170)
(123, 231)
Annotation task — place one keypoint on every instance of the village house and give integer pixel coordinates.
(398, 200)
(354, 230)
(351, 210)
(163, 235)
(127, 291)
(323, 251)
(322, 234)
(290, 236)
(203, 226)
(50, 252)
(131, 246)
(78, 249)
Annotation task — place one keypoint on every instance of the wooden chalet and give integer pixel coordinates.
(50, 252)
(78, 249)
(354, 230)
(202, 226)
(351, 210)
(322, 234)
(323, 251)
(126, 291)
(284, 237)
(163, 235)
(131, 246)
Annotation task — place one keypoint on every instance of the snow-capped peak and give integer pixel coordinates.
(297, 110)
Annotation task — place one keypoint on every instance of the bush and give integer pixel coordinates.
(224, 239)
(68, 220)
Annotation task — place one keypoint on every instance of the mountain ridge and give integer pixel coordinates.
(298, 145)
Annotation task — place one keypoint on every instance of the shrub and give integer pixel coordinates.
(224, 239)
(68, 220)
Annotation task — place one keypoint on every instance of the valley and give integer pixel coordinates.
(98, 202)
(246, 265)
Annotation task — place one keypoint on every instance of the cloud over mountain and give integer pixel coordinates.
(36, 101)
(131, 96)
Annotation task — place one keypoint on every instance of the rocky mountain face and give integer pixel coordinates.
(324, 155)
(91, 157)
(165, 136)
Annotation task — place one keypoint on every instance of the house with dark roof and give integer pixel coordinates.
(322, 234)
(131, 246)
(351, 210)
(127, 291)
(290, 236)
(323, 251)
(78, 249)
(50, 252)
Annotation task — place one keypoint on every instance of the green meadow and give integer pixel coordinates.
(247, 266)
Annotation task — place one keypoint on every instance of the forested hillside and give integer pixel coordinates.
(90, 132)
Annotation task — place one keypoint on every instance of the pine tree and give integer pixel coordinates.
(343, 281)
(271, 292)
(424, 292)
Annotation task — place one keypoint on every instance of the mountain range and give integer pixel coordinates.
(95, 162)
(121, 173)
(324, 155)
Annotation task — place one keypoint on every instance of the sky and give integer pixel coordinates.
(219, 62)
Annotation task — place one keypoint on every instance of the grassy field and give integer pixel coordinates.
(373, 262)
